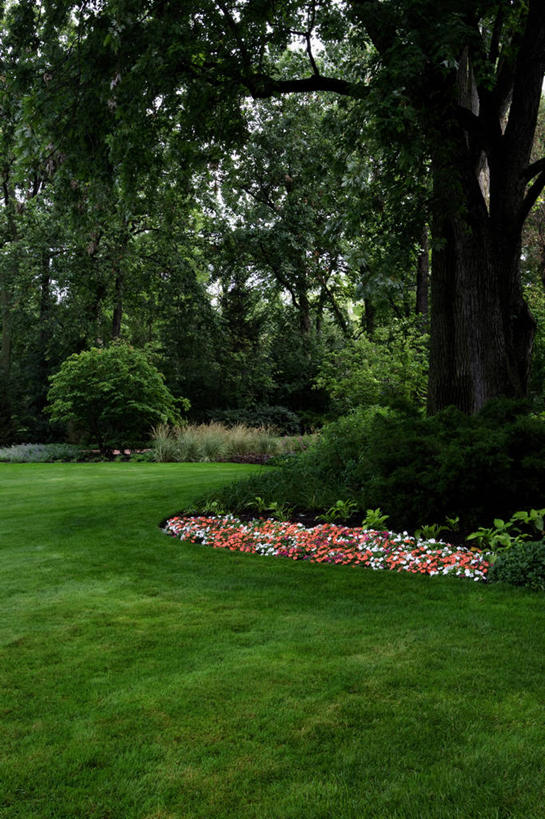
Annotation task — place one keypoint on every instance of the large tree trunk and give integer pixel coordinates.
(119, 281)
(481, 331)
(44, 338)
(8, 275)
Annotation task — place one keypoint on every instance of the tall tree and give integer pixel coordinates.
(458, 83)
(469, 77)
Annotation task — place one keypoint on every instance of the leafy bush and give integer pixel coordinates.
(216, 442)
(40, 453)
(280, 419)
(387, 369)
(475, 467)
(112, 396)
(415, 469)
(522, 565)
(315, 479)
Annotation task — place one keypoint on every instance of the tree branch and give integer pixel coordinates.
(234, 28)
(495, 39)
(308, 35)
(527, 88)
(380, 28)
(531, 197)
(469, 121)
(262, 86)
(341, 321)
(284, 282)
(533, 169)
(484, 130)
(311, 55)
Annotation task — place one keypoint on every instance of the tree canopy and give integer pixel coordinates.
(161, 165)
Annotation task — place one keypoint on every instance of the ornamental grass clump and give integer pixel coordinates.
(329, 543)
(217, 442)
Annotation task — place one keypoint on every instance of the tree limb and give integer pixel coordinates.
(483, 129)
(531, 197)
(311, 56)
(533, 169)
(261, 200)
(262, 86)
(381, 30)
(495, 39)
(341, 321)
(527, 88)
(235, 30)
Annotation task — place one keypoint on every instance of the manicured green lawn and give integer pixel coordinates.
(142, 677)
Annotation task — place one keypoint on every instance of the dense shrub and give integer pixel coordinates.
(478, 467)
(522, 565)
(317, 478)
(416, 469)
(280, 419)
(388, 369)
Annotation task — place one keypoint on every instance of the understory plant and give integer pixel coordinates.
(111, 396)
(374, 519)
(340, 511)
(40, 453)
(389, 367)
(521, 565)
(506, 534)
(415, 469)
(435, 530)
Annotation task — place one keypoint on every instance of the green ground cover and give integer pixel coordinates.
(142, 677)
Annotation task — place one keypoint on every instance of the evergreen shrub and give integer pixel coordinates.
(416, 469)
(521, 565)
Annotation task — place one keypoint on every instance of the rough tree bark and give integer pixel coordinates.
(118, 304)
(44, 335)
(482, 330)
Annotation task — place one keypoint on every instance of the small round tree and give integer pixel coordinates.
(112, 396)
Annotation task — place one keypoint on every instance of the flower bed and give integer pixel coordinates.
(330, 543)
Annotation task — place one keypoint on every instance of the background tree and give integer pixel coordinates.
(460, 84)
(112, 397)
(149, 193)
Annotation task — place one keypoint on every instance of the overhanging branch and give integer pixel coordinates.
(262, 87)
